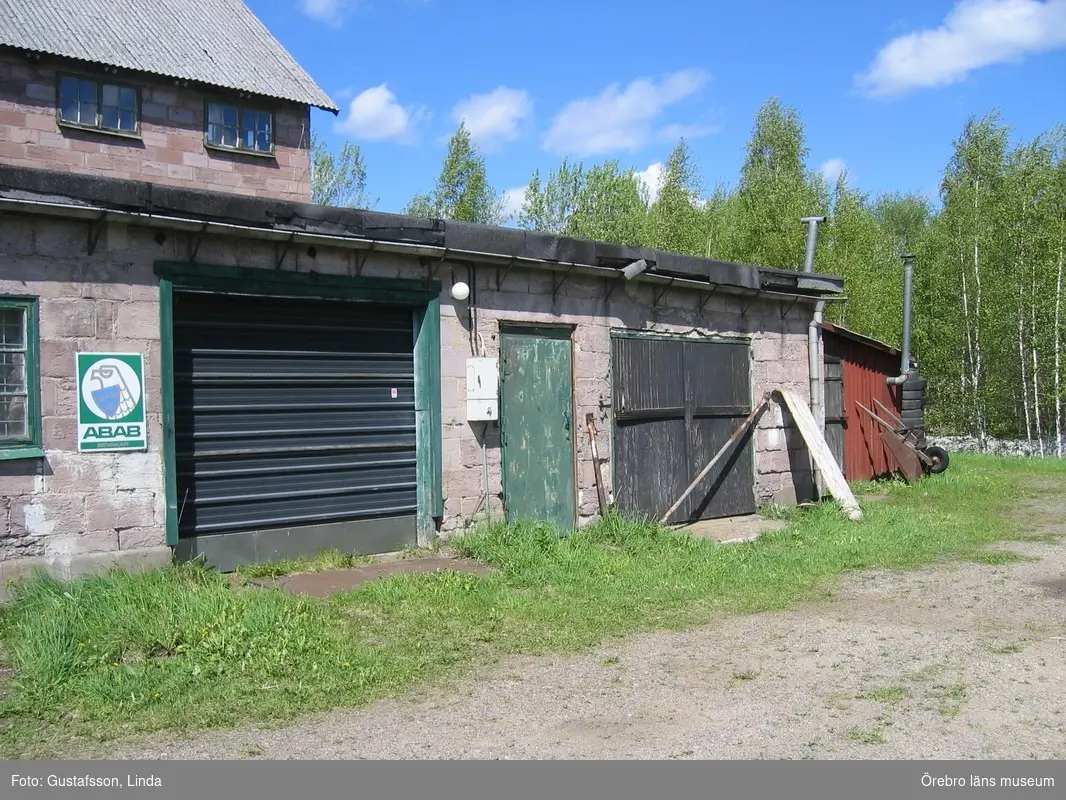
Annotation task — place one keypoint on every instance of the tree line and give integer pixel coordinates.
(988, 310)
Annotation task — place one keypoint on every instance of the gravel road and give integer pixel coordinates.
(961, 660)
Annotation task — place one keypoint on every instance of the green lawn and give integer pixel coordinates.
(184, 648)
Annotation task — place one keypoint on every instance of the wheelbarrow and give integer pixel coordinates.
(908, 445)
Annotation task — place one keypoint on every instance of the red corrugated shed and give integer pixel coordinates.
(867, 363)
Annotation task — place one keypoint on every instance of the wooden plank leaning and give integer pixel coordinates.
(816, 444)
(823, 457)
(590, 421)
(759, 409)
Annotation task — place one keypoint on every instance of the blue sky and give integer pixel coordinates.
(882, 88)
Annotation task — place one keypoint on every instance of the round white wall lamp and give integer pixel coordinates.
(460, 291)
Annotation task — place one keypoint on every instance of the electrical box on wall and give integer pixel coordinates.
(482, 390)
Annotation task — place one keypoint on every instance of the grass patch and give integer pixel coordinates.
(951, 697)
(184, 649)
(889, 695)
(869, 736)
(321, 562)
(994, 557)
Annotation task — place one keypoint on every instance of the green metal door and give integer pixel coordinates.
(536, 424)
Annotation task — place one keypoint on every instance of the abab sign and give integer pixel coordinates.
(111, 414)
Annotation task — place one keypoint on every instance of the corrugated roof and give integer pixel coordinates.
(219, 43)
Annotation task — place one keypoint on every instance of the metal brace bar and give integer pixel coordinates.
(194, 243)
(285, 250)
(96, 227)
(790, 307)
(744, 309)
(507, 271)
(660, 295)
(362, 261)
(707, 297)
(557, 286)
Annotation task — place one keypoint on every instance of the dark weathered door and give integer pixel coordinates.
(676, 402)
(294, 427)
(536, 424)
(835, 421)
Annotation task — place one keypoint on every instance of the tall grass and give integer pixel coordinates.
(183, 648)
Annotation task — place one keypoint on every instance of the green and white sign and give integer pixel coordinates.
(111, 413)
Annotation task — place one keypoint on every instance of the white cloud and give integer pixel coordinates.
(376, 115)
(332, 12)
(651, 180)
(493, 118)
(975, 34)
(618, 118)
(832, 170)
(513, 199)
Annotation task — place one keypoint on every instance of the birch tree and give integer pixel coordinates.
(338, 179)
(462, 191)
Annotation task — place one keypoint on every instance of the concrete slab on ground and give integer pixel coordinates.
(733, 530)
(323, 584)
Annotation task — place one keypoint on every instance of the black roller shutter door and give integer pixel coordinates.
(295, 424)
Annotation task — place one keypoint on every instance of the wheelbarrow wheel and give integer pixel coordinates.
(939, 457)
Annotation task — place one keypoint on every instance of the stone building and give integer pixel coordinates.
(314, 377)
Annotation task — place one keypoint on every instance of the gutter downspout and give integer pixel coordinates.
(814, 346)
(905, 357)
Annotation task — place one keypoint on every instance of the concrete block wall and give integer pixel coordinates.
(74, 511)
(779, 360)
(170, 148)
(71, 511)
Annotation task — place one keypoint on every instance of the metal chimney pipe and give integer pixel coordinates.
(908, 290)
(812, 241)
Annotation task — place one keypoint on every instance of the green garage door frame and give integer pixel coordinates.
(422, 295)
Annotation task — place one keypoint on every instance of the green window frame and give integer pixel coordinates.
(97, 105)
(239, 129)
(20, 378)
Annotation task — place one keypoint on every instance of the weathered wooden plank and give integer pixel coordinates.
(823, 458)
(590, 420)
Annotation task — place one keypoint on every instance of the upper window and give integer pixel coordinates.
(20, 424)
(236, 128)
(93, 104)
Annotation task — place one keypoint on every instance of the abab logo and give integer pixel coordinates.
(111, 389)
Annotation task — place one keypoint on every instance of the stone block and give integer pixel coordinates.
(45, 515)
(68, 319)
(593, 338)
(60, 433)
(451, 454)
(105, 510)
(136, 538)
(103, 541)
(771, 461)
(137, 321)
(593, 365)
(106, 312)
(136, 470)
(769, 439)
